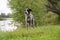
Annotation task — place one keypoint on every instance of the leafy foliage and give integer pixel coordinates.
(41, 16)
(18, 6)
(3, 15)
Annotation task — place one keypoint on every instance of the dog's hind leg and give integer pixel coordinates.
(32, 23)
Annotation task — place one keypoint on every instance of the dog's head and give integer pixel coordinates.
(27, 11)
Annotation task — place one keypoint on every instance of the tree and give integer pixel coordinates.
(8, 15)
(53, 5)
(37, 6)
(2, 15)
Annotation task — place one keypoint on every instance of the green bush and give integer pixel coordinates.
(18, 6)
(39, 11)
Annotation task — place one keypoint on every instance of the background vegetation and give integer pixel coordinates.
(3, 16)
(39, 11)
(38, 7)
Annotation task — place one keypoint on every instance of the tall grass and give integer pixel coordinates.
(38, 33)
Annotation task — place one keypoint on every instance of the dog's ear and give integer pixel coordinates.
(30, 10)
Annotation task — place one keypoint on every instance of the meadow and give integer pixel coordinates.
(49, 32)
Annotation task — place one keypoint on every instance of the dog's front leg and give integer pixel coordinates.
(27, 24)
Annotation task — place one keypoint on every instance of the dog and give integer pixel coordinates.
(29, 17)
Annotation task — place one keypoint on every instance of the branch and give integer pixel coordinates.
(53, 8)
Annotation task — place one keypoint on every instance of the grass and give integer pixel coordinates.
(38, 33)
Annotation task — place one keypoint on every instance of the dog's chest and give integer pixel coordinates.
(28, 18)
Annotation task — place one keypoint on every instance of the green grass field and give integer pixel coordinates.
(38, 33)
